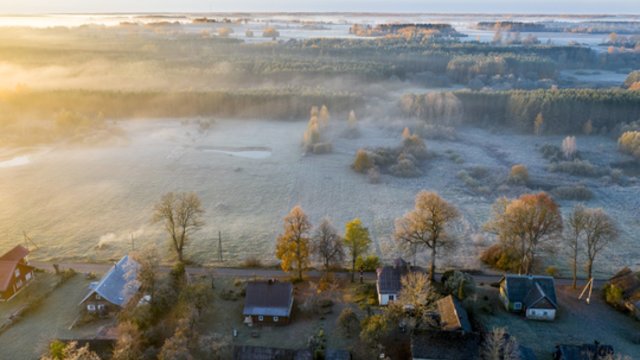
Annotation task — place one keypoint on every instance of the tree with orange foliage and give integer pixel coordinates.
(523, 224)
(292, 246)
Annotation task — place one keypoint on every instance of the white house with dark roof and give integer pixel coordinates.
(535, 295)
(115, 289)
(388, 281)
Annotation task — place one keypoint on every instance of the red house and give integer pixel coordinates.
(15, 272)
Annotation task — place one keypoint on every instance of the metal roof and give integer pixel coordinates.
(269, 298)
(531, 288)
(389, 277)
(118, 285)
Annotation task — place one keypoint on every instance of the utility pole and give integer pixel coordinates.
(590, 287)
(220, 245)
(133, 245)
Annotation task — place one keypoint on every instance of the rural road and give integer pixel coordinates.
(269, 273)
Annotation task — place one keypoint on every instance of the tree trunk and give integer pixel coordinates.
(575, 269)
(353, 269)
(589, 269)
(432, 266)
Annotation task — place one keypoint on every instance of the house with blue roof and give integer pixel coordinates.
(115, 289)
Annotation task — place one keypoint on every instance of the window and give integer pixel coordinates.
(544, 313)
(98, 297)
(101, 307)
(91, 308)
(19, 284)
(17, 273)
(517, 306)
(275, 319)
(391, 298)
(28, 276)
(260, 318)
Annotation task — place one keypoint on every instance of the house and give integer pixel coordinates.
(388, 284)
(595, 351)
(15, 272)
(535, 295)
(115, 289)
(453, 317)
(268, 302)
(445, 345)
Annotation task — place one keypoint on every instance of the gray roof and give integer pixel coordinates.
(119, 284)
(268, 298)
(389, 277)
(529, 289)
(453, 316)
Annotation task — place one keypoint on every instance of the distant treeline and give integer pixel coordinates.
(272, 104)
(565, 111)
(510, 26)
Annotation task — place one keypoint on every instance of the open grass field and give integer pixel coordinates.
(82, 203)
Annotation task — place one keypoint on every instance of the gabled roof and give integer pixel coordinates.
(529, 289)
(389, 277)
(8, 263)
(453, 316)
(119, 284)
(269, 298)
(445, 345)
(16, 254)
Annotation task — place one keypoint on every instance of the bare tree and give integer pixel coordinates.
(600, 231)
(327, 244)
(181, 214)
(575, 232)
(569, 147)
(426, 225)
(498, 345)
(146, 274)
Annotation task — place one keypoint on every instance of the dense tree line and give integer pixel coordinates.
(276, 103)
(558, 111)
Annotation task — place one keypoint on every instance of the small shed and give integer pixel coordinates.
(268, 302)
(453, 317)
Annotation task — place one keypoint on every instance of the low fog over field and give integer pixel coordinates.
(85, 203)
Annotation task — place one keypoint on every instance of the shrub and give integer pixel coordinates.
(373, 329)
(551, 152)
(348, 323)
(225, 31)
(370, 263)
(613, 295)
(322, 148)
(552, 271)
(501, 258)
(572, 192)
(576, 167)
(458, 283)
(519, 174)
(252, 262)
(362, 162)
(270, 32)
(629, 143)
(374, 175)
(405, 166)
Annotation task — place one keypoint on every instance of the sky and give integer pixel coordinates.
(422, 6)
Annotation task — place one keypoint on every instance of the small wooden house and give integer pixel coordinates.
(268, 302)
(453, 317)
(535, 295)
(15, 272)
(115, 289)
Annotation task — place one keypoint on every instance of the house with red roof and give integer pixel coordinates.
(15, 272)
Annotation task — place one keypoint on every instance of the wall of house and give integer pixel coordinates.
(25, 276)
(100, 305)
(541, 314)
(384, 299)
(270, 320)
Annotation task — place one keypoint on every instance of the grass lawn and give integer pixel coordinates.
(29, 337)
(39, 287)
(576, 323)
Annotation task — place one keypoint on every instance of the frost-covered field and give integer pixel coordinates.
(85, 203)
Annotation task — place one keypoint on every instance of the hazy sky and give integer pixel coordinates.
(475, 6)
